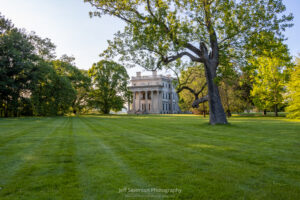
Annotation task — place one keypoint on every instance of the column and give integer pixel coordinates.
(133, 101)
(171, 98)
(140, 106)
(146, 101)
(152, 101)
(159, 101)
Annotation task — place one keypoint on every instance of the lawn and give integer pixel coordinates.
(149, 157)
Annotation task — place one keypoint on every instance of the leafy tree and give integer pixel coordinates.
(52, 94)
(294, 92)
(191, 87)
(80, 105)
(79, 79)
(212, 32)
(16, 65)
(233, 88)
(269, 84)
(44, 48)
(20, 62)
(244, 88)
(5, 25)
(109, 81)
(192, 90)
(31, 81)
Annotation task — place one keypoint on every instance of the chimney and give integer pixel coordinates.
(138, 74)
(154, 73)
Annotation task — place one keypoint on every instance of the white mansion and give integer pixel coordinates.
(153, 94)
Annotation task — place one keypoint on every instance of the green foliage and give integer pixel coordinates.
(53, 94)
(31, 81)
(214, 33)
(16, 66)
(269, 83)
(109, 81)
(158, 31)
(194, 78)
(79, 80)
(233, 89)
(294, 92)
(231, 95)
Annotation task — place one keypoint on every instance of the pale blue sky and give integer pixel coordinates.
(68, 25)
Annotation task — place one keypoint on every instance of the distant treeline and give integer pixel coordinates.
(33, 82)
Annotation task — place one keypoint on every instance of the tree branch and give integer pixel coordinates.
(193, 49)
(212, 33)
(175, 57)
(200, 91)
(112, 12)
(198, 101)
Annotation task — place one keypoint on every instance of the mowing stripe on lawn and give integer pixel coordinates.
(18, 130)
(153, 143)
(19, 144)
(133, 141)
(138, 181)
(92, 157)
(21, 178)
(214, 157)
(13, 157)
(103, 172)
(99, 175)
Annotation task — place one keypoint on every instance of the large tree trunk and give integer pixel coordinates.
(265, 112)
(216, 110)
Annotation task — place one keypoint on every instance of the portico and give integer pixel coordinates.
(146, 101)
(152, 95)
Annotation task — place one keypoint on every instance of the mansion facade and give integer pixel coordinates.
(154, 94)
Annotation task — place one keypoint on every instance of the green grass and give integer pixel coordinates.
(92, 157)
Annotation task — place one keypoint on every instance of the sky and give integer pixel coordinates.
(68, 25)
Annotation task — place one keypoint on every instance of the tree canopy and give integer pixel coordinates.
(32, 80)
(294, 92)
(211, 32)
(109, 81)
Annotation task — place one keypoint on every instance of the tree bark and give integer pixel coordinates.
(106, 111)
(6, 113)
(265, 112)
(228, 113)
(216, 110)
(276, 110)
